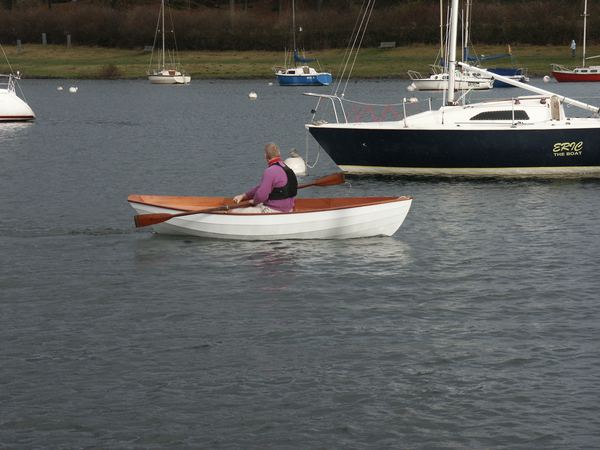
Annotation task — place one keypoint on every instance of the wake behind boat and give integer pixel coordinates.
(312, 218)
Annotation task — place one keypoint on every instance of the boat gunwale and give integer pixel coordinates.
(381, 201)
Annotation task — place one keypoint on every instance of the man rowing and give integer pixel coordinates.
(277, 189)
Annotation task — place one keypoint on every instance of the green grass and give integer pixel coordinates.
(52, 61)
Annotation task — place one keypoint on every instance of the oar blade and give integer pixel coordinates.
(144, 220)
(331, 180)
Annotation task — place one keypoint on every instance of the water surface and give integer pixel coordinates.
(475, 326)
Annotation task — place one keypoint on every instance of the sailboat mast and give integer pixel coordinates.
(585, 14)
(452, 55)
(441, 28)
(467, 31)
(162, 7)
(294, 24)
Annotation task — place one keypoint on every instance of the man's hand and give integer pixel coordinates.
(239, 198)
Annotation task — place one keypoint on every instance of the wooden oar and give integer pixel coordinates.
(144, 220)
(327, 180)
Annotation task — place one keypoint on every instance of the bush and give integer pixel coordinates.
(109, 72)
(265, 28)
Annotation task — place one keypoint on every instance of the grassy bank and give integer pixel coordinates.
(52, 61)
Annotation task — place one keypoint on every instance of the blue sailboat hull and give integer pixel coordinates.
(320, 79)
(516, 74)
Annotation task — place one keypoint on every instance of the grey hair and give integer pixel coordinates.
(272, 150)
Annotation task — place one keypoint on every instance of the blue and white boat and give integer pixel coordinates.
(302, 74)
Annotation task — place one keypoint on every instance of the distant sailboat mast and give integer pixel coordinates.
(585, 14)
(162, 8)
(294, 24)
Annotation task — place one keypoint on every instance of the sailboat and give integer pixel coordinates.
(166, 73)
(583, 73)
(523, 136)
(438, 80)
(515, 73)
(301, 74)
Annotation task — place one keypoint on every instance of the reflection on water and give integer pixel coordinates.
(376, 256)
(12, 131)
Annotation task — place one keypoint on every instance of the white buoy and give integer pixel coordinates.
(253, 95)
(73, 89)
(296, 163)
(546, 78)
(270, 83)
(59, 88)
(411, 87)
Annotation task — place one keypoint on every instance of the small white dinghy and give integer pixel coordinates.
(312, 218)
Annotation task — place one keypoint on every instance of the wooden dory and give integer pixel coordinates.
(312, 218)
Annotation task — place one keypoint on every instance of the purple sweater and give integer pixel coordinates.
(273, 177)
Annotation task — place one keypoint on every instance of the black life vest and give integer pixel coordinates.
(290, 189)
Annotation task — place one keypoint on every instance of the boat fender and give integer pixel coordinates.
(291, 187)
(296, 163)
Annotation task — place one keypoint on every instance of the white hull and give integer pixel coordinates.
(167, 79)
(379, 219)
(428, 84)
(166, 72)
(13, 108)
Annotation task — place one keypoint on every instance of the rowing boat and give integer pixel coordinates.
(312, 218)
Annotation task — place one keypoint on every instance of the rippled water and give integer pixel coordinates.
(475, 326)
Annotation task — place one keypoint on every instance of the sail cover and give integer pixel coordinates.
(300, 59)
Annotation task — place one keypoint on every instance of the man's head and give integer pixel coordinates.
(271, 151)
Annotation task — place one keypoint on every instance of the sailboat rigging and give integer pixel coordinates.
(438, 80)
(524, 136)
(166, 72)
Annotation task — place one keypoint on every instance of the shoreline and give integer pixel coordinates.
(36, 61)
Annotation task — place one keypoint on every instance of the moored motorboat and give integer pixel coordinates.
(312, 218)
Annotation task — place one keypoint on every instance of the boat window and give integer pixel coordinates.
(501, 115)
(291, 72)
(306, 70)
